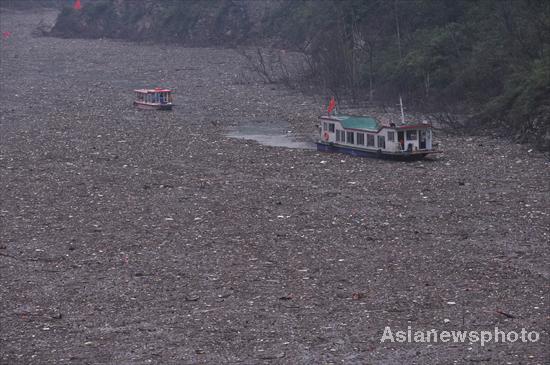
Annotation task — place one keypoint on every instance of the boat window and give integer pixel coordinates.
(349, 137)
(381, 142)
(370, 140)
(361, 138)
(325, 126)
(331, 127)
(391, 136)
(337, 135)
(411, 135)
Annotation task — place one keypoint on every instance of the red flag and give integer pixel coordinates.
(77, 5)
(6, 35)
(331, 105)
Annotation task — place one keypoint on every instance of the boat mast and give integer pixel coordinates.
(402, 113)
(400, 53)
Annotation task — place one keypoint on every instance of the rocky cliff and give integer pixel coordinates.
(193, 22)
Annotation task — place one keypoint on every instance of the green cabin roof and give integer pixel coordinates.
(352, 122)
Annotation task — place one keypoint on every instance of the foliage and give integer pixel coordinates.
(193, 22)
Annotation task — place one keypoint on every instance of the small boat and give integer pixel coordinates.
(157, 99)
(366, 136)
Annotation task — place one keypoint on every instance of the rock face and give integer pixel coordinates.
(212, 22)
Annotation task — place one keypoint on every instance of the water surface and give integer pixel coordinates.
(275, 134)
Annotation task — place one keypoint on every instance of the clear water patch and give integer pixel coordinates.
(269, 133)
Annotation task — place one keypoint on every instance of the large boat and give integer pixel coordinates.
(159, 99)
(366, 136)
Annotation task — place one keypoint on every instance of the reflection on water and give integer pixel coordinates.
(276, 134)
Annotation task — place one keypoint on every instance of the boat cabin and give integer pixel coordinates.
(160, 99)
(363, 135)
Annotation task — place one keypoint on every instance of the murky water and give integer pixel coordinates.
(276, 134)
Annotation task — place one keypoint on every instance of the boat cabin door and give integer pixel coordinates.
(401, 139)
(422, 139)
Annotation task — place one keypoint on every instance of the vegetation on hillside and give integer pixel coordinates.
(192, 22)
(490, 57)
(28, 4)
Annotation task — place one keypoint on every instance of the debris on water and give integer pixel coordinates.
(61, 187)
(508, 315)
